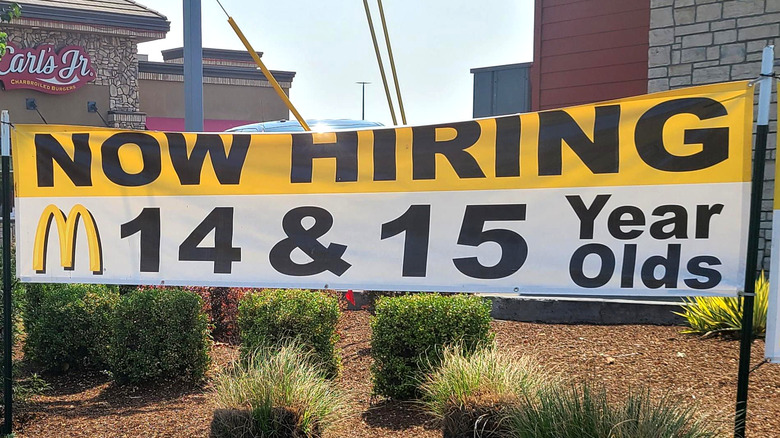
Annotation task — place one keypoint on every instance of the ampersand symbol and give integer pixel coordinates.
(322, 258)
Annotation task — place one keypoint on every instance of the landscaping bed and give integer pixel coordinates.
(703, 371)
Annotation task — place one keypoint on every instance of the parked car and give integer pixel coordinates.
(317, 125)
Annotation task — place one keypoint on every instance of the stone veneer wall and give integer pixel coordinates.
(114, 58)
(695, 42)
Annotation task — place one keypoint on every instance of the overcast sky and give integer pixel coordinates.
(327, 43)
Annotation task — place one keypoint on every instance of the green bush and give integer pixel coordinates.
(25, 385)
(17, 299)
(407, 329)
(32, 296)
(272, 317)
(468, 393)
(582, 411)
(277, 392)
(160, 334)
(723, 315)
(70, 325)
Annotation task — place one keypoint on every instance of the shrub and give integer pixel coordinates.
(407, 329)
(159, 333)
(272, 317)
(221, 306)
(276, 393)
(581, 411)
(33, 294)
(471, 394)
(17, 299)
(24, 387)
(70, 325)
(716, 315)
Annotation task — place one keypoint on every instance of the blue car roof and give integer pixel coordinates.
(317, 125)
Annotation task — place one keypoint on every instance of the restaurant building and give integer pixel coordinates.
(76, 62)
(594, 50)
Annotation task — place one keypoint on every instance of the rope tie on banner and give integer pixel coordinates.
(7, 123)
(762, 76)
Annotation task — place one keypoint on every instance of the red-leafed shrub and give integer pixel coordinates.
(221, 305)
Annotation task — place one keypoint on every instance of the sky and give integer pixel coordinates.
(328, 45)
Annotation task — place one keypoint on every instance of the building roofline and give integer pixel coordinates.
(216, 71)
(99, 18)
(208, 53)
(502, 67)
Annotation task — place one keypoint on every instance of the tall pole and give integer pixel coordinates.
(193, 66)
(751, 264)
(267, 73)
(5, 148)
(379, 61)
(392, 62)
(363, 107)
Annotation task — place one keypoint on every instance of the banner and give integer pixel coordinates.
(647, 195)
(772, 346)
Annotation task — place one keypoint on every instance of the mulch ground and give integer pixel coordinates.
(703, 371)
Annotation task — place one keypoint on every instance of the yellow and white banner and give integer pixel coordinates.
(772, 346)
(640, 196)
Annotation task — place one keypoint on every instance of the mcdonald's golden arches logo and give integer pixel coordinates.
(67, 228)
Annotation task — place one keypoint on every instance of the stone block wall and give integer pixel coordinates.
(694, 42)
(114, 58)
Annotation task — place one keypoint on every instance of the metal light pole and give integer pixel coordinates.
(193, 66)
(5, 143)
(363, 112)
(751, 260)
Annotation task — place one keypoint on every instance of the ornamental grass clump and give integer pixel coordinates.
(723, 315)
(582, 411)
(276, 392)
(471, 395)
(409, 332)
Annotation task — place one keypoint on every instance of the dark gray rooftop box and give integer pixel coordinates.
(502, 89)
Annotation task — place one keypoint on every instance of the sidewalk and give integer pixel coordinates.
(585, 310)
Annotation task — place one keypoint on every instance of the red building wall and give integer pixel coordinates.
(588, 51)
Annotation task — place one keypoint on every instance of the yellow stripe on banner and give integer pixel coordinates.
(689, 136)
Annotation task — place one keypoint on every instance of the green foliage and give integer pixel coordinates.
(276, 392)
(25, 385)
(159, 334)
(713, 315)
(70, 325)
(475, 392)
(8, 13)
(31, 303)
(410, 331)
(272, 317)
(28, 386)
(17, 301)
(581, 411)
